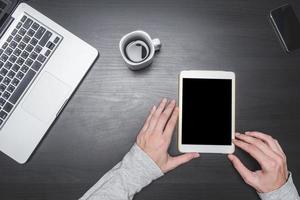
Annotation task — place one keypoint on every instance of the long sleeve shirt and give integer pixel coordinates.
(137, 170)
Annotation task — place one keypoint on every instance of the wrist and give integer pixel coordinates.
(146, 162)
(281, 180)
(286, 191)
(156, 157)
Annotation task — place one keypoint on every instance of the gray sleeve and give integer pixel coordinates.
(286, 192)
(135, 171)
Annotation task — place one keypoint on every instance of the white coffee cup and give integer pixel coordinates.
(140, 37)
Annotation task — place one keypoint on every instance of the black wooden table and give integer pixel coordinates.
(100, 123)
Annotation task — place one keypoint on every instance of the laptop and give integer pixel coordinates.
(41, 64)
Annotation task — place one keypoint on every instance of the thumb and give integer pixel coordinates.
(179, 160)
(246, 174)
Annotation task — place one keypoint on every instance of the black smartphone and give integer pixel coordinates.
(287, 26)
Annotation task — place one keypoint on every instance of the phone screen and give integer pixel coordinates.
(206, 111)
(286, 23)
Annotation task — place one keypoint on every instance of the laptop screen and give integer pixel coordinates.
(6, 7)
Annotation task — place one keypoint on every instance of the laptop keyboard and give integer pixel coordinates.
(22, 57)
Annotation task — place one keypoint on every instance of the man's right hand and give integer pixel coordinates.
(269, 155)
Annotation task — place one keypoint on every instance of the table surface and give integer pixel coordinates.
(101, 121)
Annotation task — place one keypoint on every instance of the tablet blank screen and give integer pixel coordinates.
(206, 111)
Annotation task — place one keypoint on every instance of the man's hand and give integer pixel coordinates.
(156, 134)
(269, 155)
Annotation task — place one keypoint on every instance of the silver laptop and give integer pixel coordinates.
(41, 64)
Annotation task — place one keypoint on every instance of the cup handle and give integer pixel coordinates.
(157, 44)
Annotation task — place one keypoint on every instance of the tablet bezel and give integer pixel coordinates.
(201, 74)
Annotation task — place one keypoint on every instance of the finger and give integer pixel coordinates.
(266, 138)
(245, 173)
(146, 124)
(281, 150)
(164, 117)
(258, 143)
(168, 132)
(283, 156)
(156, 114)
(256, 153)
(179, 160)
(279, 147)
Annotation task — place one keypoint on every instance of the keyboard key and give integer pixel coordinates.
(12, 58)
(47, 53)
(19, 25)
(13, 45)
(11, 74)
(26, 39)
(1, 51)
(20, 61)
(8, 65)
(20, 75)
(22, 31)
(18, 38)
(36, 66)
(23, 18)
(22, 45)
(15, 68)
(3, 72)
(2, 101)
(24, 55)
(33, 41)
(29, 62)
(17, 52)
(31, 32)
(40, 32)
(9, 39)
(3, 57)
(24, 69)
(35, 26)
(45, 38)
(4, 45)
(2, 87)
(56, 40)
(41, 58)
(38, 49)
(27, 23)
(5, 95)
(15, 82)
(6, 81)
(1, 78)
(8, 106)
(50, 45)
(10, 88)
(14, 32)
(8, 51)
(1, 121)
(22, 86)
(3, 114)
(29, 48)
(1, 64)
(33, 55)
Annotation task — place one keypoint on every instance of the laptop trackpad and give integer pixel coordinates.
(46, 98)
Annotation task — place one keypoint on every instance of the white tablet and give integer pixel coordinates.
(206, 111)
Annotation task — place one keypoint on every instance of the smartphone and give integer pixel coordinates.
(287, 26)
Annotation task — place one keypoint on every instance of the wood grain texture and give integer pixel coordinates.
(100, 123)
